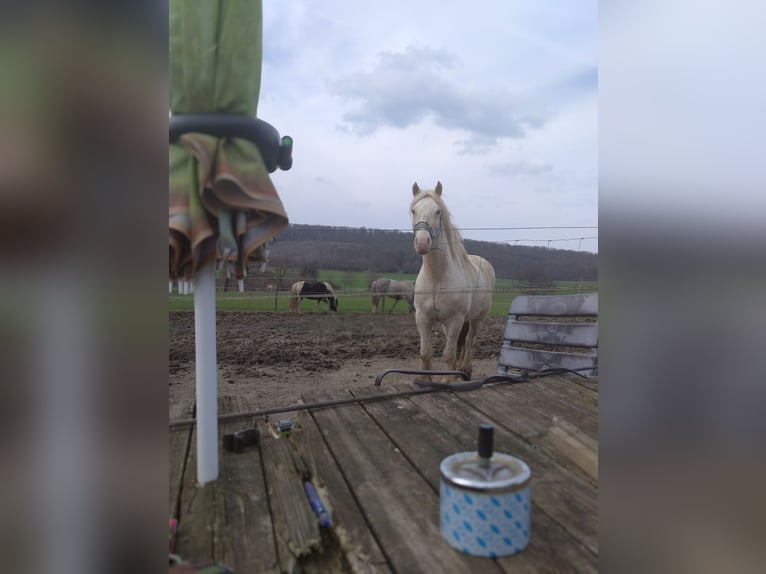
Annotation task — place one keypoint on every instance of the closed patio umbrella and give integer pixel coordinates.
(222, 205)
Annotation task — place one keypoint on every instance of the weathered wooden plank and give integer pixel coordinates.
(548, 397)
(180, 441)
(228, 520)
(400, 506)
(518, 413)
(556, 305)
(351, 532)
(561, 396)
(574, 445)
(180, 409)
(243, 533)
(348, 544)
(552, 548)
(569, 334)
(567, 498)
(295, 525)
(591, 383)
(538, 359)
(549, 538)
(551, 333)
(572, 389)
(196, 508)
(420, 437)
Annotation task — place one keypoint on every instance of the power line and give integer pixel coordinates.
(550, 240)
(522, 228)
(515, 228)
(516, 242)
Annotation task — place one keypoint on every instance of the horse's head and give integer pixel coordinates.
(426, 217)
(332, 300)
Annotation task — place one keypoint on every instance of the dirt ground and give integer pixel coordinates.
(275, 357)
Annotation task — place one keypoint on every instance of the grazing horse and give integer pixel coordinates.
(397, 290)
(452, 288)
(318, 290)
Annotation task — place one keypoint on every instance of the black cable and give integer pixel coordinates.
(525, 377)
(320, 404)
(562, 370)
(426, 387)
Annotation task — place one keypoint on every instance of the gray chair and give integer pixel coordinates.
(549, 332)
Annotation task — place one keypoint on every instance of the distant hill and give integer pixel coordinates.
(385, 251)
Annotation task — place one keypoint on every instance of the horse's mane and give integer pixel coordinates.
(452, 234)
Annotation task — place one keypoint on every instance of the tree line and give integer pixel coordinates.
(390, 251)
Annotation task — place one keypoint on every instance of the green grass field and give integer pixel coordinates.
(354, 297)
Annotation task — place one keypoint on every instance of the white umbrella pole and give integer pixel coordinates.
(207, 388)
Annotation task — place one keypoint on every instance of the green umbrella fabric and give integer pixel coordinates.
(222, 202)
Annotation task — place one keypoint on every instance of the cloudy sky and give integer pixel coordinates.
(496, 99)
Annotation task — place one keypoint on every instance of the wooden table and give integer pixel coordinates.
(375, 464)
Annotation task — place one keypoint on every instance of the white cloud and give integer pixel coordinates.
(404, 88)
(497, 104)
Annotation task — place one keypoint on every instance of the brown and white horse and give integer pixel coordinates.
(453, 288)
(318, 290)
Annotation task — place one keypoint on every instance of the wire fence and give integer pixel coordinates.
(522, 241)
(525, 240)
(359, 300)
(341, 292)
(276, 287)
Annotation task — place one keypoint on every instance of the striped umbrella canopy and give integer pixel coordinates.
(223, 205)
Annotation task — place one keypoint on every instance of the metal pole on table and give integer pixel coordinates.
(207, 371)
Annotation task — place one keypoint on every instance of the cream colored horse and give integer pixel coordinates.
(452, 288)
(396, 290)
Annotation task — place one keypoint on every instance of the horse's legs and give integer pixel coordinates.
(396, 300)
(461, 343)
(451, 332)
(374, 303)
(466, 363)
(426, 349)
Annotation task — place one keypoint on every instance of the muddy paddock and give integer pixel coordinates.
(275, 357)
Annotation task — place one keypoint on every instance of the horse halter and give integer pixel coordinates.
(425, 225)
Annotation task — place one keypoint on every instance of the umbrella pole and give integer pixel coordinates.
(207, 391)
